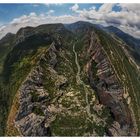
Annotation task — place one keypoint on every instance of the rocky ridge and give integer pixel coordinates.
(108, 88)
(73, 89)
(34, 114)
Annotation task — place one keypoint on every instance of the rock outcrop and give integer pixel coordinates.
(74, 85)
(108, 88)
(34, 115)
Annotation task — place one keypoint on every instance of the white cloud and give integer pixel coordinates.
(2, 28)
(127, 19)
(32, 14)
(36, 5)
(34, 20)
(130, 7)
(75, 7)
(57, 4)
(107, 7)
(93, 8)
(50, 12)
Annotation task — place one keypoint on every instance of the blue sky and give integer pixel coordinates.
(124, 16)
(11, 11)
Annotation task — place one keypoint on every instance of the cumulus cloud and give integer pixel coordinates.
(50, 12)
(75, 7)
(105, 8)
(127, 19)
(93, 8)
(34, 20)
(130, 7)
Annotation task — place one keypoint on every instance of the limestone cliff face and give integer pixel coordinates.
(29, 123)
(73, 87)
(108, 88)
(33, 116)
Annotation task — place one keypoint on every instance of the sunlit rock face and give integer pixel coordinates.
(71, 80)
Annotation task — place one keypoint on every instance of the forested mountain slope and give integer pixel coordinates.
(68, 80)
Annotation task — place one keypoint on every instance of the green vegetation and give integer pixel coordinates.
(123, 68)
(17, 66)
(35, 97)
(77, 100)
(37, 111)
(68, 126)
(6, 45)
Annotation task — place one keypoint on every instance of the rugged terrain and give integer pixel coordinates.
(68, 80)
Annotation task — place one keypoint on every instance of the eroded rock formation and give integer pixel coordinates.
(108, 88)
(35, 115)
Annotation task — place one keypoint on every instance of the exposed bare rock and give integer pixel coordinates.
(32, 125)
(61, 90)
(108, 89)
(34, 115)
(52, 51)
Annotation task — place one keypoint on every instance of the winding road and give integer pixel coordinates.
(80, 82)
